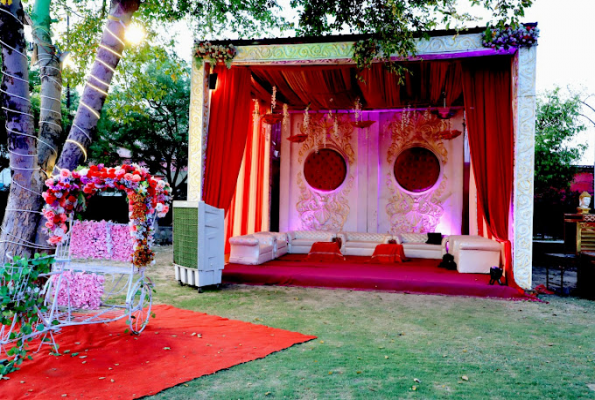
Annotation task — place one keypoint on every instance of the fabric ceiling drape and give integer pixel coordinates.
(487, 85)
(228, 129)
(249, 210)
(331, 88)
(380, 88)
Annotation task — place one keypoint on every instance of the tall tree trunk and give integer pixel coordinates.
(84, 126)
(50, 118)
(25, 201)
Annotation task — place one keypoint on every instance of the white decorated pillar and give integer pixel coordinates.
(524, 157)
(198, 131)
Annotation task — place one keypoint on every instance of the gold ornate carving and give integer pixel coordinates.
(198, 131)
(320, 210)
(323, 53)
(524, 153)
(407, 211)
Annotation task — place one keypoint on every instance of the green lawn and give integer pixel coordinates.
(374, 345)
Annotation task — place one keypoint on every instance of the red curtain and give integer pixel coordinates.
(487, 86)
(228, 128)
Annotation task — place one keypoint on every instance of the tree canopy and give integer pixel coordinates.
(152, 126)
(558, 123)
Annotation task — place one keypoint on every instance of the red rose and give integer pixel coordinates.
(50, 199)
(71, 199)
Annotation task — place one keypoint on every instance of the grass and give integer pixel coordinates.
(374, 345)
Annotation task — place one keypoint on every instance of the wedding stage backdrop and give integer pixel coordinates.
(449, 151)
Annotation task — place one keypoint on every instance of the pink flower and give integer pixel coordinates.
(136, 178)
(128, 177)
(64, 173)
(49, 182)
(55, 240)
(49, 214)
(49, 225)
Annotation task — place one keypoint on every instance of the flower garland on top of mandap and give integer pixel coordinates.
(213, 53)
(503, 38)
(68, 192)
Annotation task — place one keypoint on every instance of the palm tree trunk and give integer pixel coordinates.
(25, 201)
(84, 126)
(50, 118)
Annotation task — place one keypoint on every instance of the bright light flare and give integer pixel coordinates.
(135, 34)
(67, 60)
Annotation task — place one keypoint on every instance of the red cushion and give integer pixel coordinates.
(325, 252)
(388, 254)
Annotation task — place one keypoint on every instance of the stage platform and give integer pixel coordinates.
(421, 276)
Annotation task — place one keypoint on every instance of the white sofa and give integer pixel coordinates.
(361, 243)
(474, 254)
(300, 242)
(281, 246)
(253, 249)
(415, 246)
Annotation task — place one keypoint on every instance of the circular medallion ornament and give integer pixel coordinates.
(417, 169)
(325, 169)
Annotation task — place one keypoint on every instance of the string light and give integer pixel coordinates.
(88, 107)
(99, 80)
(106, 65)
(79, 145)
(115, 36)
(83, 131)
(96, 88)
(110, 50)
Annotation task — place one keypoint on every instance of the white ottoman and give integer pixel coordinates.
(474, 254)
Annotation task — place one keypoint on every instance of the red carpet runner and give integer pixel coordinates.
(415, 276)
(177, 346)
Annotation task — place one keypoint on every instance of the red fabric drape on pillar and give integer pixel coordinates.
(487, 86)
(228, 128)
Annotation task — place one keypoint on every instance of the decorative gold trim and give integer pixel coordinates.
(338, 53)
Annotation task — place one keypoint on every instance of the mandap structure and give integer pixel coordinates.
(290, 135)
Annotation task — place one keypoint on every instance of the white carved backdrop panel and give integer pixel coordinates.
(303, 207)
(360, 203)
(438, 209)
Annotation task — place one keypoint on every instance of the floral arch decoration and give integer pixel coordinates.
(148, 197)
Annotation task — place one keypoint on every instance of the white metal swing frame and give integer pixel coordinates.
(128, 281)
